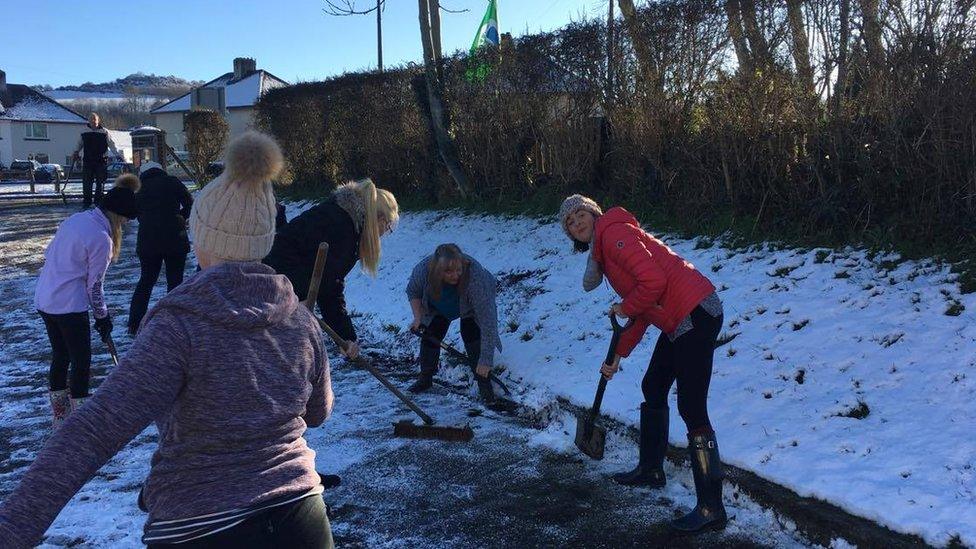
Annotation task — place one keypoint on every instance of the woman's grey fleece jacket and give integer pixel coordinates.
(477, 301)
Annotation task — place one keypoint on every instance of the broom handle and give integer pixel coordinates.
(316, 281)
(343, 344)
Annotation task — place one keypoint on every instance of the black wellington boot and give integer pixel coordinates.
(653, 446)
(423, 382)
(706, 465)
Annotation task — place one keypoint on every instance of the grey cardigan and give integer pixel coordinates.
(477, 301)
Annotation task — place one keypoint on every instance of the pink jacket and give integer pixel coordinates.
(74, 266)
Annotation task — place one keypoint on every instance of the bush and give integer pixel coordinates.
(206, 135)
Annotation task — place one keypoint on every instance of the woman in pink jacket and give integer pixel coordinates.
(70, 283)
(658, 288)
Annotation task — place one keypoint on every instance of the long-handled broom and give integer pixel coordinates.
(405, 428)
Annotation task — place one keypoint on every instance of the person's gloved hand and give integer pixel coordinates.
(104, 327)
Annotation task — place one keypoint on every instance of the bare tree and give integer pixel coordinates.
(840, 86)
(641, 51)
(801, 46)
(733, 13)
(435, 102)
(758, 45)
(348, 7)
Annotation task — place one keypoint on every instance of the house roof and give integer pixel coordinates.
(243, 92)
(20, 102)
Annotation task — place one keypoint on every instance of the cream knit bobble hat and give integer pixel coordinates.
(233, 217)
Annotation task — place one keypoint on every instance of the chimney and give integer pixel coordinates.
(3, 82)
(244, 66)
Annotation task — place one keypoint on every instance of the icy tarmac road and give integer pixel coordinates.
(516, 485)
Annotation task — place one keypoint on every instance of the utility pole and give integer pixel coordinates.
(379, 34)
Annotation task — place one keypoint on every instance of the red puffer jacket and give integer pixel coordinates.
(657, 286)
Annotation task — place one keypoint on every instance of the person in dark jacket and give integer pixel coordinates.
(164, 208)
(351, 220)
(658, 288)
(445, 286)
(94, 145)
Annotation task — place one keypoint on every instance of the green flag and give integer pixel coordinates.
(487, 34)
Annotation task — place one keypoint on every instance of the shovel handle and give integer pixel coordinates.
(422, 334)
(111, 350)
(618, 330)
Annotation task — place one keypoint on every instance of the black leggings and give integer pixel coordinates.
(150, 265)
(70, 336)
(688, 360)
(430, 353)
(302, 524)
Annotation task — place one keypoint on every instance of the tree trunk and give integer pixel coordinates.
(733, 14)
(840, 87)
(761, 56)
(801, 47)
(644, 63)
(435, 36)
(445, 145)
(872, 42)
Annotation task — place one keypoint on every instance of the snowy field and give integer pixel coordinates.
(847, 378)
(516, 485)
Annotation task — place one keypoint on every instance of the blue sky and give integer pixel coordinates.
(72, 42)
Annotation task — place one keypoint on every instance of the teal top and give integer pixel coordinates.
(449, 305)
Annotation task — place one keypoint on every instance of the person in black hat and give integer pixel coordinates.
(70, 283)
(164, 208)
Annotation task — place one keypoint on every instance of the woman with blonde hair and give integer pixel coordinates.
(71, 282)
(351, 221)
(449, 285)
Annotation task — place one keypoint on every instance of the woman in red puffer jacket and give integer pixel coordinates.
(658, 288)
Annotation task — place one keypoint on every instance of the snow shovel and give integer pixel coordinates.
(405, 428)
(422, 334)
(590, 437)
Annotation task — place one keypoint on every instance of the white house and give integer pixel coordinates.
(33, 125)
(233, 95)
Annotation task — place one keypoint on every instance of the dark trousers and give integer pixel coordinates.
(430, 353)
(70, 336)
(96, 172)
(150, 265)
(688, 360)
(303, 524)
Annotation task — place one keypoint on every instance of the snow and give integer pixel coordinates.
(178, 105)
(816, 333)
(384, 479)
(34, 108)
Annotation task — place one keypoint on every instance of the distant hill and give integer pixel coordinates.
(141, 83)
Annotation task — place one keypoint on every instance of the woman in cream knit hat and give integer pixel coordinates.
(232, 369)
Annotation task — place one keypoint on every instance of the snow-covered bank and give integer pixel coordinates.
(849, 379)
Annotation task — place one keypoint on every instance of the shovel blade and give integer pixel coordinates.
(590, 437)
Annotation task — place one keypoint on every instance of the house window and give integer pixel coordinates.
(36, 130)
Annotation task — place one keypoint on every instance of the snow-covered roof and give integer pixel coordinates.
(243, 92)
(20, 102)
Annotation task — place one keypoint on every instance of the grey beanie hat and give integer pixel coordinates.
(577, 202)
